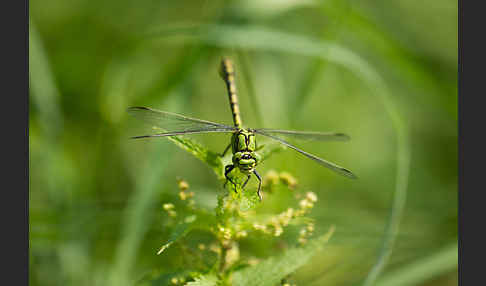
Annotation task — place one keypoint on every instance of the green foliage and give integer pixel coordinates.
(425, 269)
(204, 280)
(231, 223)
(183, 228)
(213, 160)
(96, 200)
(155, 279)
(272, 270)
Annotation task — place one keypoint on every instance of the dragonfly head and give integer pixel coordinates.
(245, 161)
(244, 146)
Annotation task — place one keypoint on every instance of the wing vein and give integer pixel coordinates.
(178, 133)
(173, 124)
(334, 167)
(307, 135)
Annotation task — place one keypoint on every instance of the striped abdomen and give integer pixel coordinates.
(227, 72)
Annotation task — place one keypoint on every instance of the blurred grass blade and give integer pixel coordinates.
(272, 8)
(264, 39)
(261, 38)
(398, 205)
(311, 76)
(247, 77)
(424, 269)
(398, 58)
(177, 71)
(272, 270)
(138, 211)
(43, 90)
(45, 98)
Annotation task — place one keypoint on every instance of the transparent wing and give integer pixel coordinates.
(303, 135)
(175, 124)
(338, 169)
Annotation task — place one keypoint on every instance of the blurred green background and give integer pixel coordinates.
(383, 72)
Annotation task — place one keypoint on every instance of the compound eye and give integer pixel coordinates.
(251, 142)
(241, 142)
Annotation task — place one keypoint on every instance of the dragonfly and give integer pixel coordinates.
(243, 140)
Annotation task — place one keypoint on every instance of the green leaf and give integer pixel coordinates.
(200, 221)
(180, 231)
(204, 280)
(248, 199)
(202, 153)
(271, 271)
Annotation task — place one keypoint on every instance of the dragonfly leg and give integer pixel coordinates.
(259, 184)
(247, 179)
(227, 170)
(225, 150)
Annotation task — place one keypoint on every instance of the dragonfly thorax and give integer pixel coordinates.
(244, 146)
(243, 140)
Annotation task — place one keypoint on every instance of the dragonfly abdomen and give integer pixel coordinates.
(227, 72)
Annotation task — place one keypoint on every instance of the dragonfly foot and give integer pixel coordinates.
(247, 179)
(227, 170)
(259, 184)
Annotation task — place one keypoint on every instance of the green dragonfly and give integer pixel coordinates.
(243, 141)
